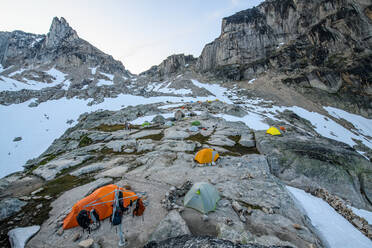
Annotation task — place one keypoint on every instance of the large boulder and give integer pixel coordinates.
(171, 226)
(220, 140)
(247, 140)
(175, 134)
(10, 206)
(235, 110)
(179, 115)
(19, 236)
(317, 162)
(159, 119)
(51, 169)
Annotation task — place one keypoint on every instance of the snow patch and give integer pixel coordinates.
(93, 70)
(110, 76)
(66, 85)
(334, 230)
(251, 81)
(367, 215)
(16, 72)
(164, 88)
(218, 91)
(363, 125)
(329, 128)
(102, 82)
(252, 120)
(171, 106)
(58, 75)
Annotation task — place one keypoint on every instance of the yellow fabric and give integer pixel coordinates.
(273, 131)
(205, 156)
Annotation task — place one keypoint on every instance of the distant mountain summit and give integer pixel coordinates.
(61, 47)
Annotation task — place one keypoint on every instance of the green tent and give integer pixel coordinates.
(195, 123)
(145, 124)
(202, 197)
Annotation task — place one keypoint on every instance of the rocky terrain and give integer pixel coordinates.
(300, 65)
(157, 161)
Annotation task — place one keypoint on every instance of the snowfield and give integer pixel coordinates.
(334, 230)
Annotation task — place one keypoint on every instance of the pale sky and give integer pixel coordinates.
(139, 33)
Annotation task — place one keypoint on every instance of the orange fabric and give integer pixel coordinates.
(205, 156)
(104, 210)
(282, 128)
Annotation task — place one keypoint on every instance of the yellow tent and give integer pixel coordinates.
(273, 131)
(206, 155)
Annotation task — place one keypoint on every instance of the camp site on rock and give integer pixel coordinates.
(264, 140)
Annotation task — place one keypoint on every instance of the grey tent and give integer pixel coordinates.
(194, 129)
(202, 197)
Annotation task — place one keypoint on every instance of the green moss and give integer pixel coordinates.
(247, 205)
(48, 158)
(64, 183)
(153, 136)
(235, 138)
(110, 128)
(238, 149)
(85, 141)
(199, 138)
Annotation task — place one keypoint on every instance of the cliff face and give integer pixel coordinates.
(255, 34)
(173, 64)
(320, 44)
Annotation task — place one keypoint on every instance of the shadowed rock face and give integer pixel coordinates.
(195, 241)
(325, 46)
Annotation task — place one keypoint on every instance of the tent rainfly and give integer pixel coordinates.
(202, 197)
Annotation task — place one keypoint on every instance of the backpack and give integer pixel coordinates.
(94, 216)
(83, 219)
(139, 209)
(117, 215)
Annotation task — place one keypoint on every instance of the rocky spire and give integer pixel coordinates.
(60, 31)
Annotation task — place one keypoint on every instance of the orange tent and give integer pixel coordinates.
(101, 200)
(206, 155)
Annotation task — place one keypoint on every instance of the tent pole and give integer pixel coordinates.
(121, 237)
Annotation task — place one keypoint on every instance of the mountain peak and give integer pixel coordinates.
(60, 31)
